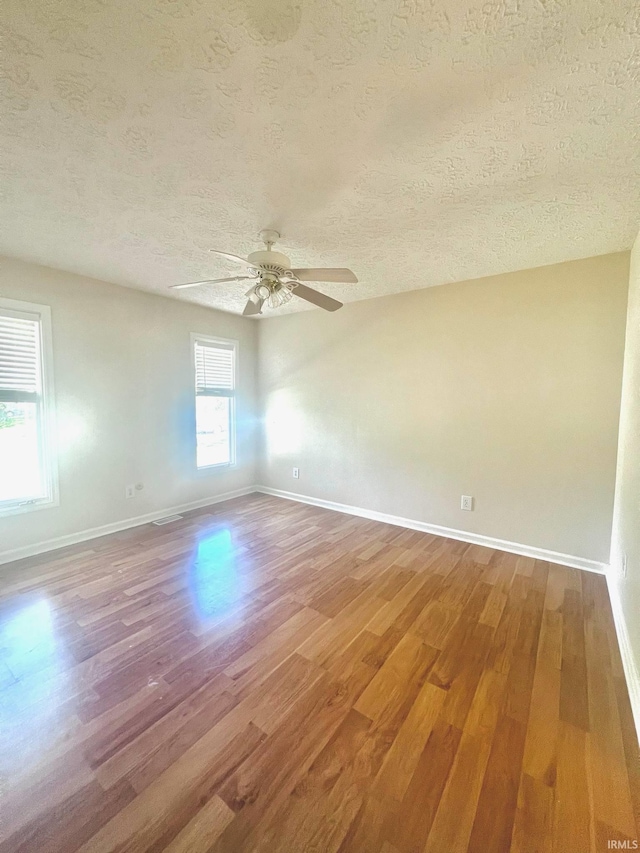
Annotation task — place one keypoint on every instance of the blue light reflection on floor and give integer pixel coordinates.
(213, 577)
(28, 639)
(32, 650)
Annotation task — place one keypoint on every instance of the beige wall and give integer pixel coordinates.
(626, 517)
(124, 401)
(505, 388)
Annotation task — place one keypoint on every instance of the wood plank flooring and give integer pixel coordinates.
(269, 676)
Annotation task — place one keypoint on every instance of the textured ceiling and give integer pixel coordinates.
(416, 141)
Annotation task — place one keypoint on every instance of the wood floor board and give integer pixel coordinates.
(264, 675)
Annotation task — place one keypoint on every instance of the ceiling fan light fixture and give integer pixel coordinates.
(261, 292)
(280, 294)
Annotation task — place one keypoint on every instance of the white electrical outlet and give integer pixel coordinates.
(129, 492)
(466, 502)
(296, 473)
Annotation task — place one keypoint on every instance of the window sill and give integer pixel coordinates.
(203, 469)
(18, 509)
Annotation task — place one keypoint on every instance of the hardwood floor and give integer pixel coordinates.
(269, 676)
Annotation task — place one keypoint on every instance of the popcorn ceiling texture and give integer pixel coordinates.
(418, 142)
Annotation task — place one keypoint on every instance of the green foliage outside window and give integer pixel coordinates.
(10, 416)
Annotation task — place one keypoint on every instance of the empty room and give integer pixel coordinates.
(320, 426)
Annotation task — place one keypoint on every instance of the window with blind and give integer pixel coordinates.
(26, 458)
(215, 386)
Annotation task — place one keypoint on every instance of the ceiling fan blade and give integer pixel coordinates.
(326, 274)
(252, 308)
(236, 258)
(317, 298)
(209, 281)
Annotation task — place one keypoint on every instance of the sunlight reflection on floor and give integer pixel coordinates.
(216, 586)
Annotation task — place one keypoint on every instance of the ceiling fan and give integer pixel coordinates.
(274, 281)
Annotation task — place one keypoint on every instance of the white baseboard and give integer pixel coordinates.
(115, 527)
(399, 521)
(448, 532)
(626, 652)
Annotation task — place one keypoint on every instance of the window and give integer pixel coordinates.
(215, 378)
(27, 475)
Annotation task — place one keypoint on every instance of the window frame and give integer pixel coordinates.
(45, 412)
(234, 346)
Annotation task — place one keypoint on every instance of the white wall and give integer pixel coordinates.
(625, 540)
(505, 388)
(124, 400)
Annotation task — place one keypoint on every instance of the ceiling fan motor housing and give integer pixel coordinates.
(271, 261)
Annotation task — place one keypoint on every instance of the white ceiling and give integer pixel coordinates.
(416, 141)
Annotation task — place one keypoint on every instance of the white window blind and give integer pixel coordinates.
(215, 369)
(215, 362)
(28, 474)
(20, 379)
